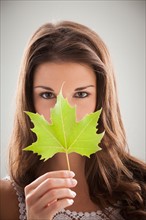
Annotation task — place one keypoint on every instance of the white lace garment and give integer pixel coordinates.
(111, 213)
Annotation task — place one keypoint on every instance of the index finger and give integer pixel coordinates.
(52, 174)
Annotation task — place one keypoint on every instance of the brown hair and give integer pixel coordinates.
(112, 174)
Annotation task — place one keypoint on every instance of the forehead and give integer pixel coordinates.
(68, 72)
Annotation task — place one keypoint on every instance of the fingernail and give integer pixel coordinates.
(73, 182)
(70, 201)
(73, 193)
(70, 173)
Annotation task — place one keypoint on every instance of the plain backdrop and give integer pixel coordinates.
(121, 24)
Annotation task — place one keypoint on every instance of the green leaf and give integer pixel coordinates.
(64, 133)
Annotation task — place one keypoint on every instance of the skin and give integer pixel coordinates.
(72, 76)
(56, 188)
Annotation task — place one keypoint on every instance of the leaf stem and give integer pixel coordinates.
(67, 159)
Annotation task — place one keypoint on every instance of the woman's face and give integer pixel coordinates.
(79, 87)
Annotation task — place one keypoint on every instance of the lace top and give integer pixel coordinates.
(109, 213)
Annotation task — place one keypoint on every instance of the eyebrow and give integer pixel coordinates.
(84, 87)
(50, 89)
(44, 87)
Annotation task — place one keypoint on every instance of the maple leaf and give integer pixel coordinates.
(64, 133)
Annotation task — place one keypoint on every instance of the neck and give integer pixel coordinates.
(59, 162)
(77, 164)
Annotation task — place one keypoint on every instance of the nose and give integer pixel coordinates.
(69, 99)
(67, 93)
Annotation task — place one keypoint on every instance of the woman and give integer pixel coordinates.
(109, 185)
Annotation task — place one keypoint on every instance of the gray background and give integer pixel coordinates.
(121, 24)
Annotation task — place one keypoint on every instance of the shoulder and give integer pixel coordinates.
(9, 201)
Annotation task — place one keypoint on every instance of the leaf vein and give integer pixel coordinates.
(81, 132)
(47, 130)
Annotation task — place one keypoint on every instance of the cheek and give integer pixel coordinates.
(44, 111)
(43, 108)
(84, 109)
(46, 115)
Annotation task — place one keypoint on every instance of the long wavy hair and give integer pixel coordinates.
(112, 174)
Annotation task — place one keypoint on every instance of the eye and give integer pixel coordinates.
(81, 94)
(47, 95)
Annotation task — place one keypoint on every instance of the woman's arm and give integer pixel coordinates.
(8, 201)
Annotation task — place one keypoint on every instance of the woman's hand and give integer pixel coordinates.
(49, 194)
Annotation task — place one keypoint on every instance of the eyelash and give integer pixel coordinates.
(78, 95)
(81, 95)
(49, 94)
